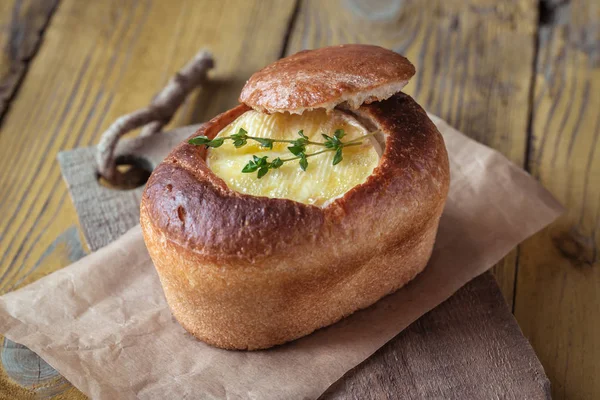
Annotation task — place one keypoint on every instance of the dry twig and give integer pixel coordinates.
(154, 117)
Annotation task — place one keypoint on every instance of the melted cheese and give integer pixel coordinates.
(321, 182)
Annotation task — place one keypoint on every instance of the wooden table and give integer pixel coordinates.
(519, 76)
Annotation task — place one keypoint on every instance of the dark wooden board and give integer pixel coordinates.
(106, 213)
(468, 347)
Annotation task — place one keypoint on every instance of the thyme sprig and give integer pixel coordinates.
(297, 147)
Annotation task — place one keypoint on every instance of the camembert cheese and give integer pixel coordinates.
(321, 182)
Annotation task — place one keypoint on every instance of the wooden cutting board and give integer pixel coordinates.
(468, 347)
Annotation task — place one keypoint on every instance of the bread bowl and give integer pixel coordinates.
(247, 271)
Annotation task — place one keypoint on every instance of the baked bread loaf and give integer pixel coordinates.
(242, 271)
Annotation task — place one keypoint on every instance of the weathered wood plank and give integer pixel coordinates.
(28, 374)
(23, 375)
(474, 62)
(100, 60)
(105, 213)
(558, 292)
(22, 25)
(473, 334)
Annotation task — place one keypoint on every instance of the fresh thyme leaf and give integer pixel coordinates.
(303, 162)
(276, 163)
(297, 149)
(239, 139)
(338, 156)
(239, 143)
(262, 165)
(199, 140)
(250, 167)
(301, 141)
(262, 162)
(299, 145)
(216, 142)
(255, 164)
(242, 134)
(331, 142)
(268, 143)
(262, 171)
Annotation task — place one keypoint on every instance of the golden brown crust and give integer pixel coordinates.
(249, 272)
(352, 74)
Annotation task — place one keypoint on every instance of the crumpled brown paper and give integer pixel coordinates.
(104, 324)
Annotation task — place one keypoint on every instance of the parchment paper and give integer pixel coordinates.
(104, 324)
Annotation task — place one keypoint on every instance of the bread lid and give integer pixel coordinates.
(324, 78)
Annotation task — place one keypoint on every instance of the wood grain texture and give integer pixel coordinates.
(474, 62)
(29, 371)
(23, 374)
(22, 23)
(99, 60)
(469, 347)
(558, 292)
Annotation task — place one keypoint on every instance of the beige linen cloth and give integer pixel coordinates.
(104, 324)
